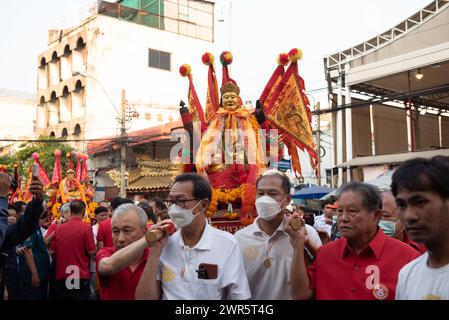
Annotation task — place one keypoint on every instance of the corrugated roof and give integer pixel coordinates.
(151, 183)
(140, 136)
(393, 158)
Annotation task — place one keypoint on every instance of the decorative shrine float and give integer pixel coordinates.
(58, 191)
(230, 144)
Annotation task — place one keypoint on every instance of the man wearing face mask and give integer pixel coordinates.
(265, 245)
(198, 262)
(391, 225)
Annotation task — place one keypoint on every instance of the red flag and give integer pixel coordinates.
(78, 166)
(85, 174)
(212, 99)
(69, 161)
(57, 175)
(195, 108)
(43, 176)
(288, 110)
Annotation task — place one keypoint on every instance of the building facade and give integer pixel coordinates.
(390, 95)
(128, 46)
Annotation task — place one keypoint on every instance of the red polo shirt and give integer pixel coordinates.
(338, 273)
(50, 230)
(123, 284)
(105, 233)
(419, 247)
(71, 245)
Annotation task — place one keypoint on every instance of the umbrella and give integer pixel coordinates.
(314, 192)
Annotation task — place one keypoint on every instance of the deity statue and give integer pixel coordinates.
(71, 189)
(231, 151)
(21, 193)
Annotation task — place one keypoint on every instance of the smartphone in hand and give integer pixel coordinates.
(35, 170)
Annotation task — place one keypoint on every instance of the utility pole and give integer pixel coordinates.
(123, 147)
(318, 143)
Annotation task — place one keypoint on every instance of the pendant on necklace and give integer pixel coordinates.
(267, 263)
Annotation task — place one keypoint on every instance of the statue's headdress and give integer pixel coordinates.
(230, 87)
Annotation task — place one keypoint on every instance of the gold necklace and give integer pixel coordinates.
(267, 262)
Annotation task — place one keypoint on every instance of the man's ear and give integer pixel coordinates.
(378, 215)
(205, 204)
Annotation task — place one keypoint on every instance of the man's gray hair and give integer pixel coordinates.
(126, 207)
(65, 208)
(371, 198)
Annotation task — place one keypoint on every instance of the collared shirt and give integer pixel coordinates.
(40, 255)
(418, 247)
(105, 233)
(338, 273)
(178, 265)
(273, 282)
(121, 285)
(320, 224)
(71, 245)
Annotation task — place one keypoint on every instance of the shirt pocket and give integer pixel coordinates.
(208, 289)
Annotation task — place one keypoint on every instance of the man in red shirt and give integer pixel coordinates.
(104, 235)
(72, 246)
(363, 265)
(120, 267)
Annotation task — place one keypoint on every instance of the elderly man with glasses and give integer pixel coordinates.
(198, 261)
(363, 265)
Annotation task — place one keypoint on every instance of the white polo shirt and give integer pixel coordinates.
(178, 264)
(269, 283)
(320, 224)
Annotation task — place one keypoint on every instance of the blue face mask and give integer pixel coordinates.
(388, 227)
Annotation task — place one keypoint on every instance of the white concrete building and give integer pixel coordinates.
(82, 73)
(389, 96)
(18, 110)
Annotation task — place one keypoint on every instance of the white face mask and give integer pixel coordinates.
(181, 217)
(268, 208)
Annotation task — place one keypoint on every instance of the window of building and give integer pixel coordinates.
(147, 116)
(77, 130)
(64, 133)
(159, 118)
(159, 59)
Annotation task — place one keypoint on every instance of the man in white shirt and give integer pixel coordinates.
(198, 262)
(324, 221)
(421, 188)
(265, 245)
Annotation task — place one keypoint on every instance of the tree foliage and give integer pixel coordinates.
(45, 149)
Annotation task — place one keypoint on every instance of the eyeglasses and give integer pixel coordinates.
(179, 202)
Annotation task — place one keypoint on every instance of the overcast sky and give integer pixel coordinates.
(259, 31)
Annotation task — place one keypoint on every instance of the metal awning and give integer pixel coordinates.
(392, 158)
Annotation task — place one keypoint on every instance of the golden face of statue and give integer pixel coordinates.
(71, 176)
(230, 101)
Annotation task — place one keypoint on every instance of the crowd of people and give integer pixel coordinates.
(365, 244)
